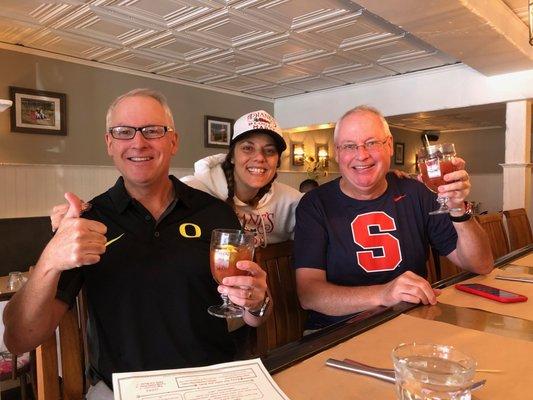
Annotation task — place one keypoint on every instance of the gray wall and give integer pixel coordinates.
(89, 92)
(482, 150)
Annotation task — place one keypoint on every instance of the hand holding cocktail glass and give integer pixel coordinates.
(443, 173)
(242, 282)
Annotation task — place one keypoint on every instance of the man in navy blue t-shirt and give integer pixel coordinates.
(362, 240)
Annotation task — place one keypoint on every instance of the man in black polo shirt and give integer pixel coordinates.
(142, 255)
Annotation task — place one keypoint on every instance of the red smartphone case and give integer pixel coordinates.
(491, 293)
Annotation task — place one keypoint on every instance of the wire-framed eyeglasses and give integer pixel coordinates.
(149, 132)
(370, 146)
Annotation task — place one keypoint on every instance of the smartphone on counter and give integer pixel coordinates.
(490, 292)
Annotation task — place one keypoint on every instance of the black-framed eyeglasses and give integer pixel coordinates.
(370, 146)
(149, 132)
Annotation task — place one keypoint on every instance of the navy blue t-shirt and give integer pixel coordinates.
(368, 242)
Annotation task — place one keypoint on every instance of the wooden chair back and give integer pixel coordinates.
(286, 324)
(439, 267)
(518, 227)
(492, 223)
(17, 370)
(72, 385)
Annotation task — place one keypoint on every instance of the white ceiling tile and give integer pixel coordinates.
(295, 14)
(176, 46)
(228, 28)
(361, 74)
(416, 62)
(284, 48)
(136, 61)
(38, 11)
(384, 52)
(275, 92)
(194, 73)
(323, 63)
(13, 31)
(355, 30)
(279, 74)
(274, 48)
(234, 61)
(315, 83)
(63, 43)
(239, 83)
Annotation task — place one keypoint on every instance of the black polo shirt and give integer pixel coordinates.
(148, 296)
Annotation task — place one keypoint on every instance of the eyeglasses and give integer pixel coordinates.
(149, 132)
(370, 146)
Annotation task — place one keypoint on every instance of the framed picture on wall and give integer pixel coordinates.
(37, 111)
(218, 131)
(399, 149)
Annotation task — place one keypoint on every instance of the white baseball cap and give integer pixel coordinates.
(258, 122)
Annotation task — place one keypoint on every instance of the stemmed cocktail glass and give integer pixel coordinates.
(434, 162)
(227, 247)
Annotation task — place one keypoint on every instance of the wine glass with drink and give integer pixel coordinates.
(227, 247)
(435, 161)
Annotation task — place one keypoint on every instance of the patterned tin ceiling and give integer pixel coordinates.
(268, 48)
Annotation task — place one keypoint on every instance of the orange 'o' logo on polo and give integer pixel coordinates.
(189, 230)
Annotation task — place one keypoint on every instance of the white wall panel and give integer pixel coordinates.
(32, 190)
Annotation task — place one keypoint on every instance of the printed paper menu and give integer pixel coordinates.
(239, 380)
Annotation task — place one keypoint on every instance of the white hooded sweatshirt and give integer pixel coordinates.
(272, 220)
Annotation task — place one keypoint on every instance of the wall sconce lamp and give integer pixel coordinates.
(322, 153)
(298, 154)
(5, 104)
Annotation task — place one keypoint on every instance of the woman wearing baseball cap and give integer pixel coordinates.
(245, 178)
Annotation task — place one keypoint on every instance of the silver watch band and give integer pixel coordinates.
(261, 311)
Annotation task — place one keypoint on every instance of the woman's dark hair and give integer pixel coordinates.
(228, 168)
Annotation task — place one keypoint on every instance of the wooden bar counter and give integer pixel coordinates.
(500, 343)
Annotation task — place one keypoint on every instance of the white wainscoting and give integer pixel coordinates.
(32, 190)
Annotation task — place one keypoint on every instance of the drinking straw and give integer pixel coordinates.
(426, 139)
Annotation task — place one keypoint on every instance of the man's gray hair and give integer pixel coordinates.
(359, 109)
(157, 96)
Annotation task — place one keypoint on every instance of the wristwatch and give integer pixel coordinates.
(261, 310)
(466, 216)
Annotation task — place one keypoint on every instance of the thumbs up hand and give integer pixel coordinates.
(74, 206)
(78, 241)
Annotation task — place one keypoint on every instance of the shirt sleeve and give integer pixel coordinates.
(69, 285)
(311, 236)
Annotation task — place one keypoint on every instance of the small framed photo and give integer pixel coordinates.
(37, 111)
(218, 131)
(398, 153)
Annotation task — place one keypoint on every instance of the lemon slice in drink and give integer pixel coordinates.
(229, 247)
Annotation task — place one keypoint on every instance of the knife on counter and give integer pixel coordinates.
(515, 278)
